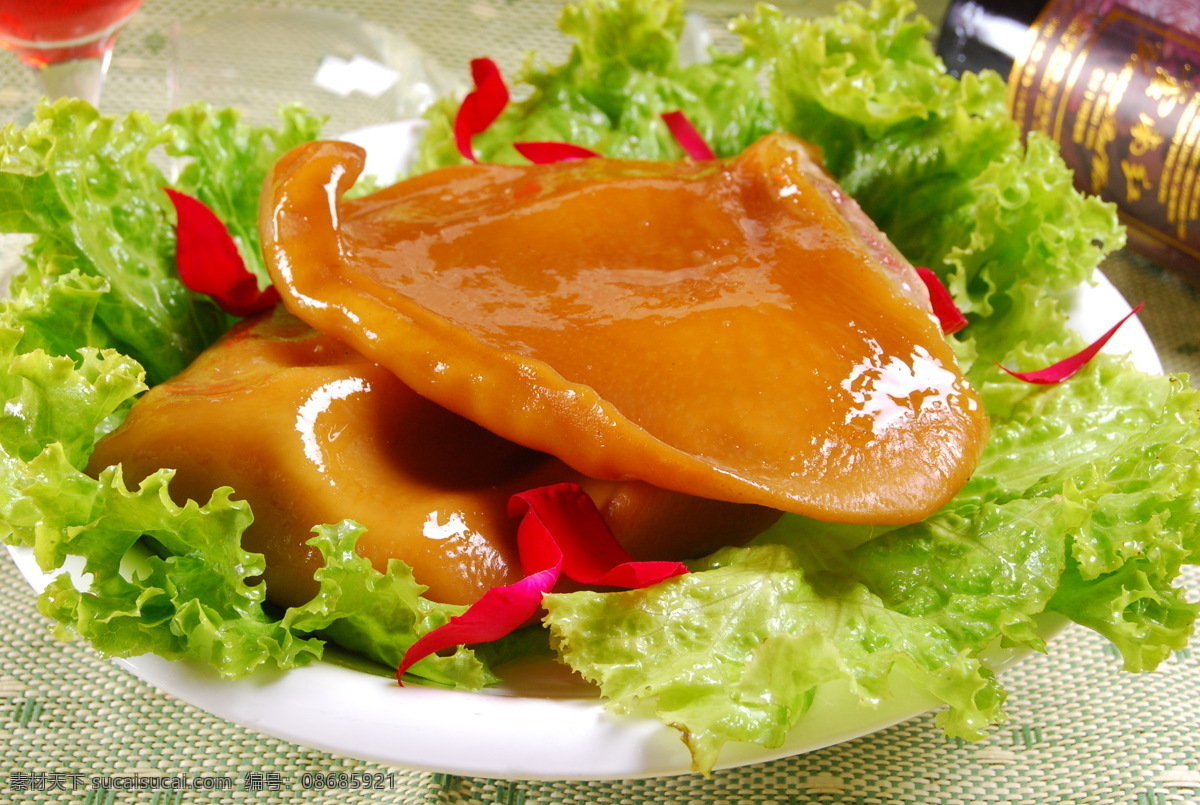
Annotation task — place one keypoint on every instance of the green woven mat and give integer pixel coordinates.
(1080, 729)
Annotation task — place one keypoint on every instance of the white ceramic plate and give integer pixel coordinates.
(543, 723)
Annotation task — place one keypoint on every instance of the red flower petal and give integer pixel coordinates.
(208, 260)
(948, 314)
(498, 612)
(543, 153)
(561, 526)
(689, 139)
(561, 531)
(1067, 367)
(481, 107)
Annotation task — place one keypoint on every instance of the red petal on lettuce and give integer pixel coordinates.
(1067, 367)
(208, 260)
(543, 153)
(561, 531)
(481, 107)
(689, 139)
(948, 314)
(498, 612)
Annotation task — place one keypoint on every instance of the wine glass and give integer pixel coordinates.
(68, 43)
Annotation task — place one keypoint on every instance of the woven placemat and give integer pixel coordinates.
(1080, 729)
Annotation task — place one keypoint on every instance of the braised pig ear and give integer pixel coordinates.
(308, 431)
(733, 329)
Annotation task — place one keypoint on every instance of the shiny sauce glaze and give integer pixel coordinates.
(736, 329)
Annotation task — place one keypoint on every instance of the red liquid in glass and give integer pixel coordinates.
(51, 31)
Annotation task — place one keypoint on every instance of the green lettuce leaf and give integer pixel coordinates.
(379, 615)
(88, 187)
(193, 601)
(48, 397)
(736, 650)
(196, 600)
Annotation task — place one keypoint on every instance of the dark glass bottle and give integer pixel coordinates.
(1116, 83)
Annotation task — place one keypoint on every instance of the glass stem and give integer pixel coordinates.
(79, 78)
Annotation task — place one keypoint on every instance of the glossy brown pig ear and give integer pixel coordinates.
(561, 306)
